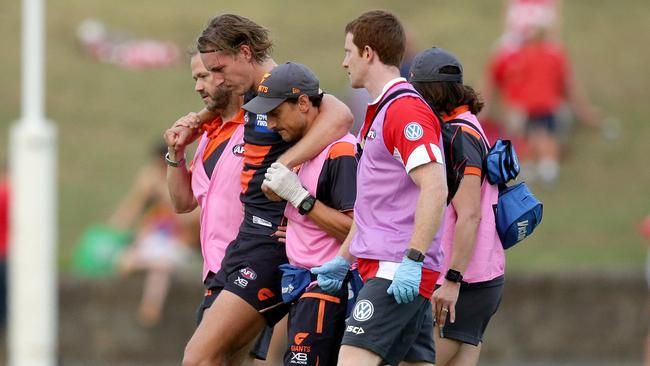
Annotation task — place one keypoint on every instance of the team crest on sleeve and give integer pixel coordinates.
(413, 131)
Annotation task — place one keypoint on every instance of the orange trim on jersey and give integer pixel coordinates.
(471, 131)
(316, 295)
(253, 156)
(472, 170)
(458, 110)
(218, 132)
(321, 316)
(341, 149)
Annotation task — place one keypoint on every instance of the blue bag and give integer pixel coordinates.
(294, 282)
(501, 162)
(517, 214)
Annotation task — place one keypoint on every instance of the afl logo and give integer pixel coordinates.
(238, 150)
(363, 311)
(248, 273)
(371, 135)
(413, 131)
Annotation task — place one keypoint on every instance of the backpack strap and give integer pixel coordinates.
(470, 125)
(381, 106)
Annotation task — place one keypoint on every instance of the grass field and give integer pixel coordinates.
(108, 117)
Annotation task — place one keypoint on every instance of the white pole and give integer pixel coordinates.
(33, 59)
(33, 284)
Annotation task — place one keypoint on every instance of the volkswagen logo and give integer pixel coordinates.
(363, 311)
(413, 131)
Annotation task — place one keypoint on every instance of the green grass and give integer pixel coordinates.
(108, 117)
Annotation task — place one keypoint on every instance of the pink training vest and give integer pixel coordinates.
(384, 211)
(488, 261)
(307, 244)
(221, 209)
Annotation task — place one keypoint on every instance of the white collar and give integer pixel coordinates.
(386, 87)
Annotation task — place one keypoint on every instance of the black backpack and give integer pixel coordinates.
(455, 158)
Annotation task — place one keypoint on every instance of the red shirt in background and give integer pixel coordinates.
(4, 217)
(532, 77)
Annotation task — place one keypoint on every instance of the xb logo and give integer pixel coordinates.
(299, 358)
(363, 311)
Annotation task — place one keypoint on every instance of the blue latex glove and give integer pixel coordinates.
(331, 274)
(406, 282)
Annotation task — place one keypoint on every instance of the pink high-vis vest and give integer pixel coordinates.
(384, 212)
(221, 209)
(488, 261)
(307, 244)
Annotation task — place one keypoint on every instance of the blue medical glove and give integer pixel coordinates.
(406, 282)
(331, 274)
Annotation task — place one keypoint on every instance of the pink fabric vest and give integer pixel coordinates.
(307, 244)
(384, 211)
(488, 260)
(221, 209)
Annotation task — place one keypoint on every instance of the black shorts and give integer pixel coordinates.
(546, 122)
(315, 328)
(396, 332)
(477, 302)
(250, 270)
(212, 289)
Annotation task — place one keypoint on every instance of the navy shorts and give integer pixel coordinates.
(212, 288)
(250, 270)
(477, 302)
(315, 328)
(396, 332)
(546, 122)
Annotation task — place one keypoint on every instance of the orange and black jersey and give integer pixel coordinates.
(219, 134)
(262, 147)
(472, 145)
(337, 183)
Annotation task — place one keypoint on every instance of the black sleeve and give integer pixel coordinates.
(337, 184)
(474, 150)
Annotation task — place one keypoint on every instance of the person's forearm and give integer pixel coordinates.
(430, 205)
(333, 222)
(333, 122)
(464, 241)
(428, 215)
(585, 112)
(344, 251)
(467, 203)
(133, 204)
(179, 183)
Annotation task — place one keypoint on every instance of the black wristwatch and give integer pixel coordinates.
(454, 276)
(307, 205)
(414, 255)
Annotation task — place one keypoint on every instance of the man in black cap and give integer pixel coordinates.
(474, 262)
(321, 195)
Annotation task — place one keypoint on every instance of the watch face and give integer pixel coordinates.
(307, 205)
(454, 276)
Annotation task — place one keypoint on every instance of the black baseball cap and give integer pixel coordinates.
(428, 64)
(286, 81)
